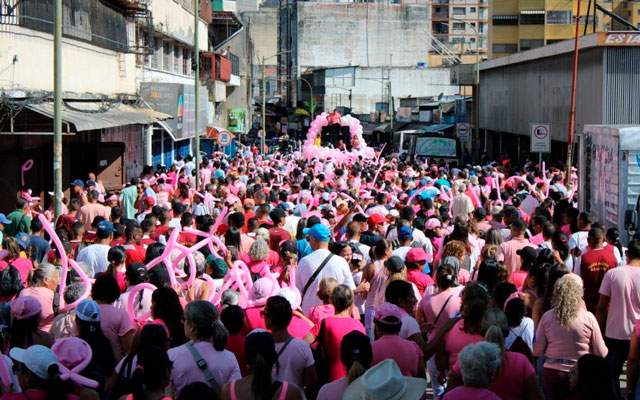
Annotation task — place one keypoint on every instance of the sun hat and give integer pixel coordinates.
(36, 358)
(74, 355)
(25, 307)
(388, 313)
(384, 381)
(261, 289)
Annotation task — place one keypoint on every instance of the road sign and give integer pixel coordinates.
(463, 132)
(540, 137)
(225, 138)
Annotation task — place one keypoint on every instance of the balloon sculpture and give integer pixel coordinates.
(360, 148)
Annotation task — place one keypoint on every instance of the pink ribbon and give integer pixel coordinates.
(74, 373)
(132, 294)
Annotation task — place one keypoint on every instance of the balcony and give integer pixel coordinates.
(216, 67)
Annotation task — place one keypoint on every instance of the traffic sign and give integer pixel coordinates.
(463, 132)
(540, 137)
(225, 138)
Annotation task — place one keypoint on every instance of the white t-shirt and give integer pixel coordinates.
(409, 327)
(524, 331)
(579, 240)
(175, 224)
(337, 268)
(96, 256)
(402, 252)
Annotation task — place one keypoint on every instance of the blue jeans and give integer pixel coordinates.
(539, 368)
(617, 355)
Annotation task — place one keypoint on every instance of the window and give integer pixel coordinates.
(457, 39)
(177, 59)
(186, 61)
(507, 48)
(458, 26)
(586, 19)
(531, 17)
(526, 44)
(156, 57)
(472, 9)
(166, 55)
(472, 40)
(459, 11)
(559, 17)
(340, 77)
(505, 20)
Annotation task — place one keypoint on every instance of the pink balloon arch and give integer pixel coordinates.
(360, 148)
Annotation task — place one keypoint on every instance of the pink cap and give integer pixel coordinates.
(432, 224)
(261, 289)
(386, 312)
(113, 197)
(417, 254)
(74, 355)
(25, 307)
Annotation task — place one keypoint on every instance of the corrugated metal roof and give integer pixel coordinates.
(87, 116)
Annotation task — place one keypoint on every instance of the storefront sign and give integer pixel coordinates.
(237, 120)
(619, 39)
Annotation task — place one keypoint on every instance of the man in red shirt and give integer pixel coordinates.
(164, 218)
(277, 234)
(132, 246)
(66, 221)
(594, 263)
(416, 263)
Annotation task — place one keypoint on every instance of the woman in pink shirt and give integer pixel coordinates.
(318, 313)
(356, 354)
(468, 330)
(22, 264)
(44, 281)
(479, 364)
(433, 312)
(114, 322)
(330, 332)
(565, 333)
(516, 379)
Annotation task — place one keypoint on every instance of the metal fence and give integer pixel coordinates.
(91, 21)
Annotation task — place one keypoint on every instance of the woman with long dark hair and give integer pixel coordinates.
(260, 357)
(88, 323)
(560, 244)
(152, 375)
(116, 257)
(114, 322)
(166, 309)
(26, 315)
(135, 275)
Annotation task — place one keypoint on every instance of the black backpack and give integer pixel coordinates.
(10, 282)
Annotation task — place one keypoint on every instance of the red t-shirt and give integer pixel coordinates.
(235, 344)
(187, 239)
(117, 242)
(420, 279)
(593, 265)
(160, 230)
(247, 216)
(336, 328)
(66, 221)
(135, 253)
(277, 235)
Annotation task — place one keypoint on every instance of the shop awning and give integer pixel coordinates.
(212, 132)
(435, 128)
(88, 116)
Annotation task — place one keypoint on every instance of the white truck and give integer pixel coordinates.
(609, 175)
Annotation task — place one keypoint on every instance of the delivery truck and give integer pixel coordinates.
(609, 175)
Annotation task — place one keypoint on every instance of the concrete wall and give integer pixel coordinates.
(331, 35)
(405, 82)
(85, 68)
(263, 32)
(175, 21)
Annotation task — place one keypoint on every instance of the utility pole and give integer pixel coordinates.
(391, 108)
(57, 109)
(572, 112)
(264, 110)
(196, 89)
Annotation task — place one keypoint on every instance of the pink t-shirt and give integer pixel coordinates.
(537, 240)
(222, 365)
(254, 319)
(432, 304)
(466, 393)
(558, 342)
(518, 278)
(456, 339)
(510, 384)
(507, 253)
(318, 313)
(622, 285)
(335, 328)
(115, 323)
(293, 360)
(333, 390)
(298, 327)
(45, 297)
(23, 265)
(405, 353)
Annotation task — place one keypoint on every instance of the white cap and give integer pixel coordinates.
(36, 358)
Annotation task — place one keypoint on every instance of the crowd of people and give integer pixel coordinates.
(278, 278)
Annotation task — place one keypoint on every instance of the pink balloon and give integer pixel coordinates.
(238, 278)
(132, 294)
(25, 167)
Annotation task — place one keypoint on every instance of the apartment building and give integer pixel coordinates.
(458, 31)
(517, 25)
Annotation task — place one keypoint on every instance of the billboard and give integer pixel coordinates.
(177, 100)
(237, 122)
(436, 147)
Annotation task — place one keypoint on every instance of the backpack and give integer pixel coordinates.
(123, 385)
(519, 346)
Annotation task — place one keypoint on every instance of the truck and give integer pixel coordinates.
(609, 178)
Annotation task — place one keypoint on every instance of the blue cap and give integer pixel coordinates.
(91, 182)
(405, 232)
(88, 311)
(23, 239)
(77, 182)
(318, 232)
(106, 227)
(4, 220)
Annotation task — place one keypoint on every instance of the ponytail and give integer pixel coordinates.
(53, 387)
(261, 372)
(494, 335)
(219, 336)
(356, 370)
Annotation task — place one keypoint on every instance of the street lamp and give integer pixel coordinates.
(264, 102)
(477, 77)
